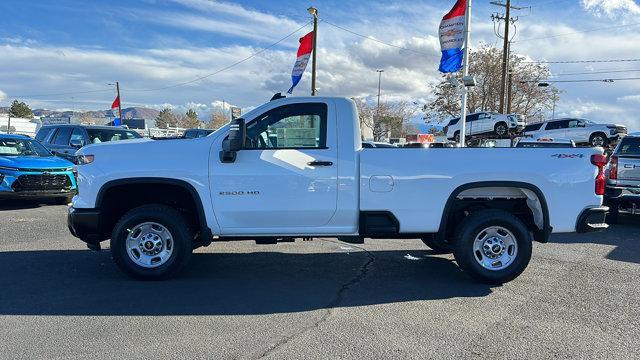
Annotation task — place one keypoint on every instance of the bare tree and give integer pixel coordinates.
(218, 119)
(387, 121)
(527, 98)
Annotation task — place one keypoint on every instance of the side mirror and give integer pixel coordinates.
(76, 143)
(234, 142)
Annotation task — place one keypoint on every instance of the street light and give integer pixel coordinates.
(379, 71)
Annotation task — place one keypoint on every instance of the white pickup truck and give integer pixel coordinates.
(295, 168)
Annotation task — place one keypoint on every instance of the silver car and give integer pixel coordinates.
(623, 178)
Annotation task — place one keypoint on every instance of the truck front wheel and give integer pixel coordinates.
(492, 246)
(151, 242)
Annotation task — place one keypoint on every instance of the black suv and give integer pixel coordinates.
(65, 140)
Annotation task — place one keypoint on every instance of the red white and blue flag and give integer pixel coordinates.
(452, 38)
(115, 106)
(304, 52)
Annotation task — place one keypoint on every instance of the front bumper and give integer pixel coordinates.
(36, 194)
(85, 225)
(592, 219)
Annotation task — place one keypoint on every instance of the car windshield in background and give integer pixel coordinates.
(22, 147)
(97, 136)
(630, 146)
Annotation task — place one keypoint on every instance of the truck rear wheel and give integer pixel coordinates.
(492, 246)
(151, 242)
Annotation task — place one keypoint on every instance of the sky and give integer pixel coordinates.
(198, 53)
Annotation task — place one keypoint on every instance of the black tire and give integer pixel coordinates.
(472, 226)
(456, 136)
(439, 247)
(501, 130)
(169, 218)
(596, 138)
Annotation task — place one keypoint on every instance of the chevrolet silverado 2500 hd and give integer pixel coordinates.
(295, 167)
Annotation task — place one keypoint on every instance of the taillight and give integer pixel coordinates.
(600, 161)
(446, 129)
(613, 168)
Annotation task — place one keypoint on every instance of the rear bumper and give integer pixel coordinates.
(592, 219)
(85, 225)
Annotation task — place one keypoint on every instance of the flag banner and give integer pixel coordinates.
(452, 38)
(114, 109)
(304, 52)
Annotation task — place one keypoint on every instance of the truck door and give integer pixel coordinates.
(285, 180)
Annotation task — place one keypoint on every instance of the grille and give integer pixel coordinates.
(41, 182)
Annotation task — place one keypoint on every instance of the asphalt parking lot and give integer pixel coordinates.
(321, 299)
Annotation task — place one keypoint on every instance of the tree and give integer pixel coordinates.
(387, 121)
(190, 120)
(166, 119)
(218, 119)
(527, 98)
(21, 110)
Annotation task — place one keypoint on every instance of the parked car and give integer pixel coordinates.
(377, 144)
(623, 178)
(581, 131)
(544, 142)
(196, 133)
(29, 170)
(65, 140)
(315, 180)
(486, 123)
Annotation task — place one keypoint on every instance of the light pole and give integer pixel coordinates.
(313, 11)
(554, 92)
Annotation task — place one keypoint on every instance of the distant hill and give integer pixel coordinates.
(127, 113)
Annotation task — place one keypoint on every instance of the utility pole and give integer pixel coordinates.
(379, 71)
(465, 73)
(9, 123)
(313, 11)
(508, 20)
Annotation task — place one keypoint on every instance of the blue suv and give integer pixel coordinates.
(29, 170)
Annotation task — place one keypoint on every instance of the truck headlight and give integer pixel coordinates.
(85, 159)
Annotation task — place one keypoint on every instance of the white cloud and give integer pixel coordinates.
(630, 98)
(612, 8)
(3, 95)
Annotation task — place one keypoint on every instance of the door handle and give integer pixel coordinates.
(320, 163)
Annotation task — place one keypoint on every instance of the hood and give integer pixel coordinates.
(34, 162)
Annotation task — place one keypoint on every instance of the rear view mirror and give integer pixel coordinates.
(76, 143)
(234, 142)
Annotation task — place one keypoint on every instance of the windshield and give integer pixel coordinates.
(629, 146)
(97, 136)
(22, 147)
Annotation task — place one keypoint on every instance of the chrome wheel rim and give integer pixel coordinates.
(495, 248)
(149, 244)
(597, 141)
(502, 130)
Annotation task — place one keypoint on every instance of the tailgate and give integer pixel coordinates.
(629, 168)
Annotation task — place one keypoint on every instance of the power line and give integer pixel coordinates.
(609, 80)
(224, 68)
(378, 41)
(597, 72)
(577, 32)
(580, 61)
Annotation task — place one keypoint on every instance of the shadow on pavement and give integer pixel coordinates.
(625, 236)
(22, 204)
(79, 282)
